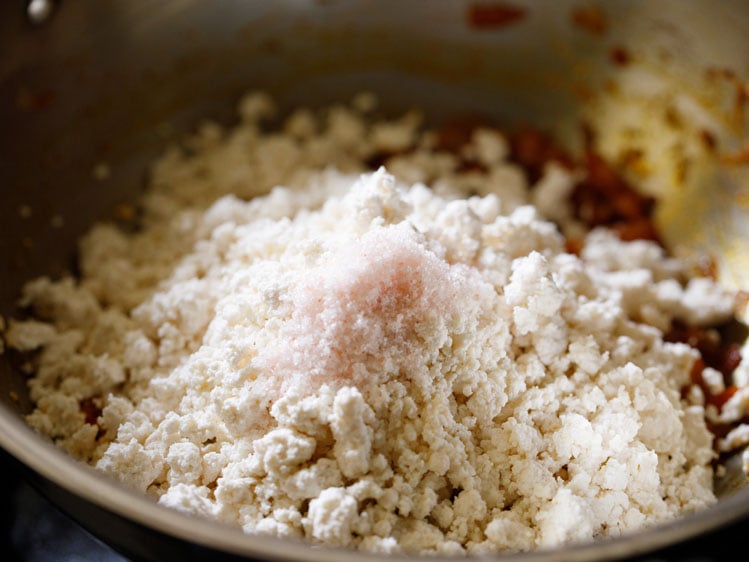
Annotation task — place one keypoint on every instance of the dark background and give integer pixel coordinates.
(33, 530)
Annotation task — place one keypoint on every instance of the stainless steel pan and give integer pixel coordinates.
(103, 86)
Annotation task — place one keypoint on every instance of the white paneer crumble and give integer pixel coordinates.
(299, 346)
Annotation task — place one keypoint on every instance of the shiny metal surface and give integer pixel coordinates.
(105, 85)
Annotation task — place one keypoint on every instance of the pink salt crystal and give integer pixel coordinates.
(360, 311)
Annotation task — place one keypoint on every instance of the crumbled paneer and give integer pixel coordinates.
(298, 346)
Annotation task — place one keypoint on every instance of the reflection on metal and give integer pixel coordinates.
(734, 478)
(39, 11)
